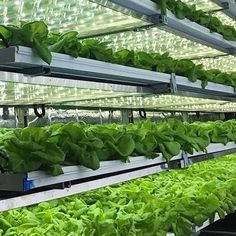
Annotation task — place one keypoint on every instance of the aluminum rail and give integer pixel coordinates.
(23, 60)
(35, 198)
(214, 148)
(37, 179)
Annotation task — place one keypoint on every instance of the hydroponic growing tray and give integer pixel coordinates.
(23, 60)
(37, 179)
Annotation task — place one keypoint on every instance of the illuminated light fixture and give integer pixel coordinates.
(223, 63)
(156, 40)
(61, 15)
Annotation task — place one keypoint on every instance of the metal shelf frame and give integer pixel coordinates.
(119, 172)
(23, 60)
(35, 198)
(185, 27)
(37, 179)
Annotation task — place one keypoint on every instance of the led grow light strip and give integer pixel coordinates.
(84, 16)
(162, 102)
(18, 93)
(159, 41)
(223, 63)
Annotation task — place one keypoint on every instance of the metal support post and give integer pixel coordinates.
(173, 85)
(21, 116)
(185, 116)
(127, 116)
(111, 116)
(185, 162)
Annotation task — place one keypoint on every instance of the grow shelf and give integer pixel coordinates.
(111, 172)
(185, 27)
(22, 60)
(34, 198)
(37, 179)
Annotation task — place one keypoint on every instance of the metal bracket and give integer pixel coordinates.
(127, 116)
(21, 114)
(173, 85)
(111, 116)
(158, 19)
(67, 184)
(175, 164)
(131, 117)
(195, 232)
(231, 51)
(164, 166)
(159, 88)
(36, 71)
(225, 5)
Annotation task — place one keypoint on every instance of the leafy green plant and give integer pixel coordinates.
(171, 201)
(94, 49)
(66, 43)
(49, 148)
(33, 35)
(30, 149)
(36, 36)
(182, 10)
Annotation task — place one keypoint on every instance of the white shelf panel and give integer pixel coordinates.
(211, 90)
(67, 83)
(144, 7)
(183, 81)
